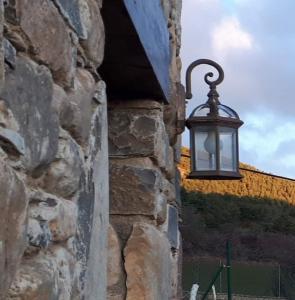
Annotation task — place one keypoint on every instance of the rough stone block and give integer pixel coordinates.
(13, 206)
(46, 277)
(123, 224)
(36, 279)
(132, 133)
(94, 44)
(139, 132)
(176, 19)
(28, 94)
(173, 233)
(10, 12)
(59, 214)
(9, 53)
(177, 149)
(148, 264)
(76, 108)
(174, 114)
(16, 39)
(49, 36)
(99, 2)
(169, 166)
(68, 271)
(168, 190)
(134, 190)
(72, 11)
(115, 264)
(178, 188)
(60, 99)
(161, 209)
(63, 175)
(143, 104)
(7, 119)
(116, 297)
(174, 64)
(38, 233)
(166, 8)
(11, 142)
(2, 68)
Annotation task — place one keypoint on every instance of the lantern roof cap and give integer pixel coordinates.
(224, 111)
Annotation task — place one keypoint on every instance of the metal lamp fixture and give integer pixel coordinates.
(214, 148)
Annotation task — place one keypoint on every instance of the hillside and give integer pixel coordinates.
(257, 213)
(253, 184)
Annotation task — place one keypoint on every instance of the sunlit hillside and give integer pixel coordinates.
(253, 184)
(257, 213)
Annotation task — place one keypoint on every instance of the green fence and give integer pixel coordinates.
(260, 280)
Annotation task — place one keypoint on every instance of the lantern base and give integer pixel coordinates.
(215, 175)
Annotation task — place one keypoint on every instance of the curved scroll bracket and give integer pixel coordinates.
(212, 84)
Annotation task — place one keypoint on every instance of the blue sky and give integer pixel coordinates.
(254, 41)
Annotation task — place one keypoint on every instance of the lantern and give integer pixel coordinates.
(214, 146)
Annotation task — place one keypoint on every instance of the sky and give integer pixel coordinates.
(254, 42)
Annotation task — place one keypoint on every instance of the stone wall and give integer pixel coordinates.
(54, 151)
(55, 237)
(143, 203)
(144, 188)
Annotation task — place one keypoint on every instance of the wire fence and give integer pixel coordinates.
(256, 281)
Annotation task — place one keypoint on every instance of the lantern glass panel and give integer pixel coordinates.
(228, 149)
(226, 112)
(205, 148)
(203, 110)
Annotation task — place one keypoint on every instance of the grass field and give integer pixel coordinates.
(247, 278)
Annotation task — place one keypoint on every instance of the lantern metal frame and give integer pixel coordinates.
(213, 120)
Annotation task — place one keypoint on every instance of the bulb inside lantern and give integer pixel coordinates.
(210, 142)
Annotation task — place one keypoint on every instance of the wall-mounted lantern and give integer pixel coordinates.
(214, 147)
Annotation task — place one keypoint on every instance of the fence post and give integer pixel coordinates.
(212, 282)
(228, 269)
(279, 281)
(220, 278)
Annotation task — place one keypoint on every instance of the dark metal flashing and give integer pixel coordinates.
(137, 52)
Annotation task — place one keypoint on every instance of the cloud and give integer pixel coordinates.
(265, 135)
(286, 148)
(255, 44)
(229, 35)
(267, 143)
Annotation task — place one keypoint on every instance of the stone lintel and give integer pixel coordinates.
(133, 67)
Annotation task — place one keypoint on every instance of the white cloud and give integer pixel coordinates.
(288, 160)
(228, 35)
(268, 141)
(264, 133)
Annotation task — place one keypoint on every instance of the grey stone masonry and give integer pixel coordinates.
(54, 192)
(71, 160)
(142, 183)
